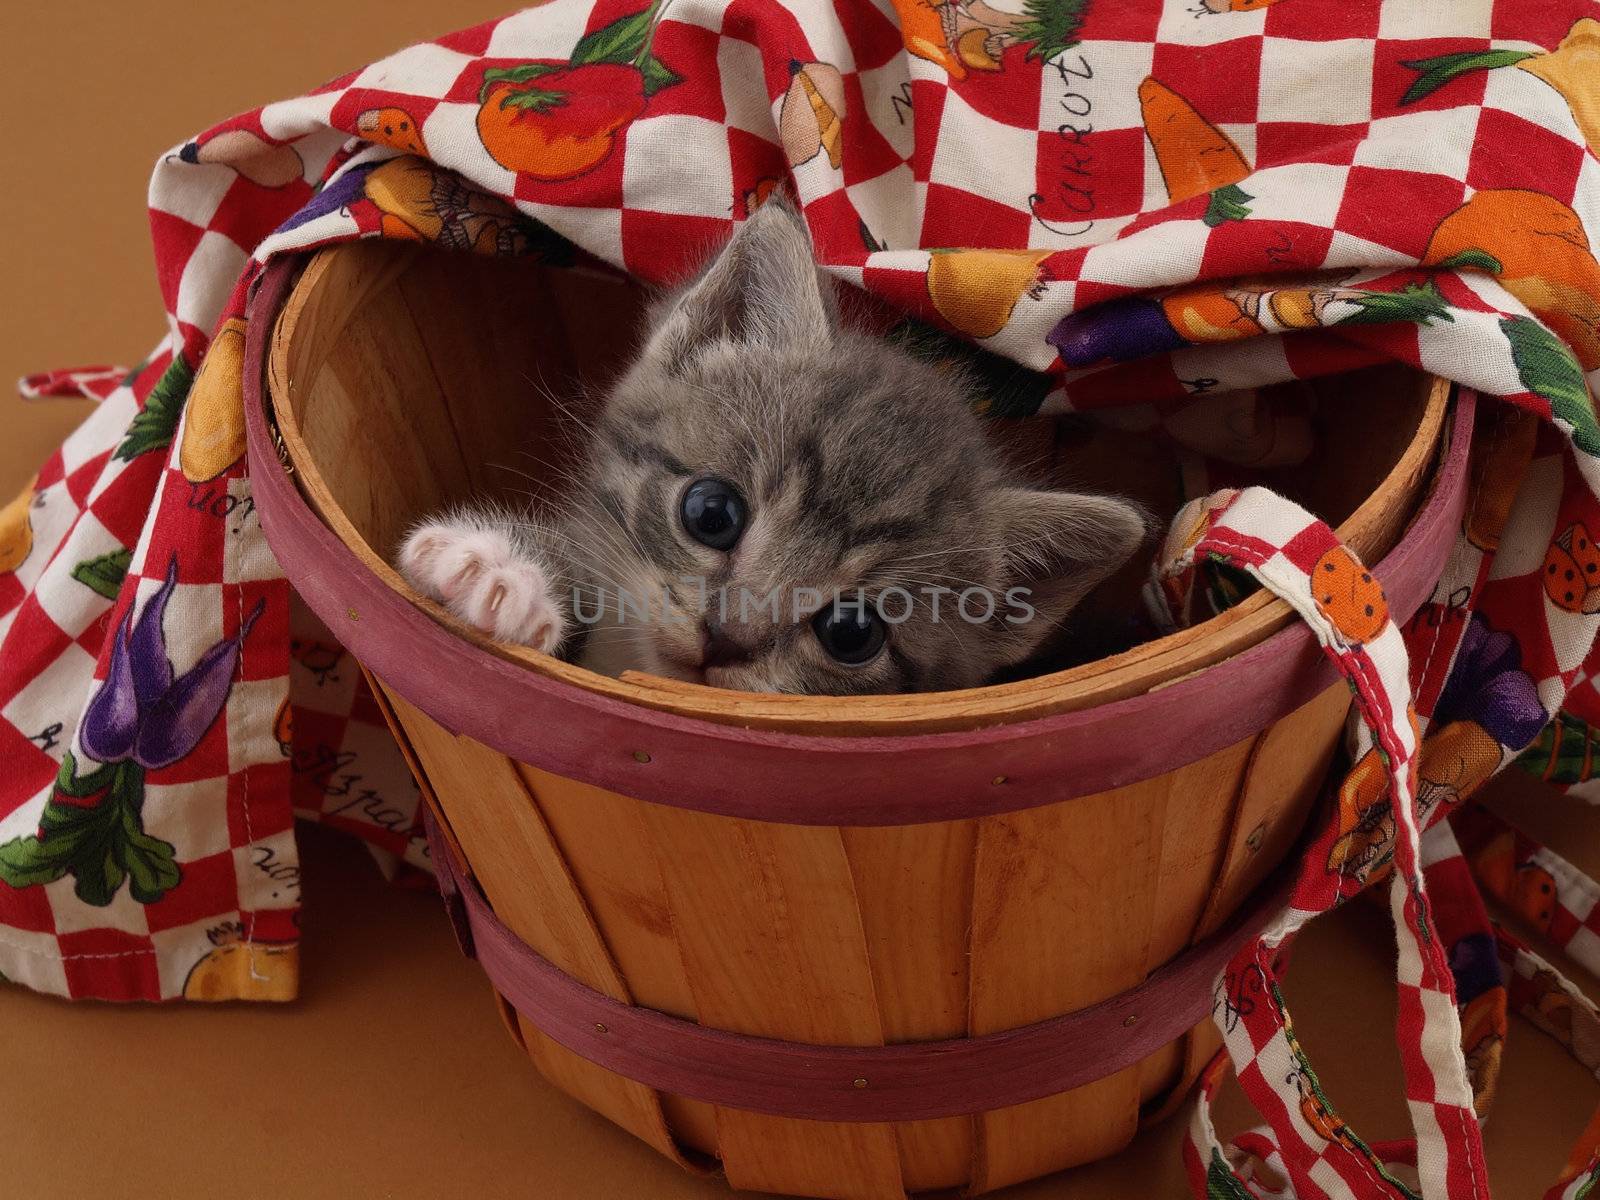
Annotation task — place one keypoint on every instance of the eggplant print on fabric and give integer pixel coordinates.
(144, 717)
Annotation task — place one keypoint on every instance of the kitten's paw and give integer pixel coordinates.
(479, 576)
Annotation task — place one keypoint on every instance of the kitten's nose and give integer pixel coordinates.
(717, 649)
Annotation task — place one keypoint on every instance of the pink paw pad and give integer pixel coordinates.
(480, 577)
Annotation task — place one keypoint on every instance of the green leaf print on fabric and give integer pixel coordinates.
(1421, 303)
(157, 421)
(1222, 1183)
(657, 74)
(628, 40)
(91, 829)
(1441, 69)
(1567, 751)
(1229, 203)
(1473, 260)
(105, 573)
(537, 99)
(1051, 25)
(1547, 368)
(145, 716)
(622, 40)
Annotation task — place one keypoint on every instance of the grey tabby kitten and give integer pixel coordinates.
(774, 503)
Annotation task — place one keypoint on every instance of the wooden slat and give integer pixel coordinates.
(509, 1017)
(1281, 782)
(766, 920)
(605, 842)
(404, 460)
(1194, 829)
(1274, 798)
(521, 870)
(1060, 918)
(1192, 1051)
(913, 884)
(330, 295)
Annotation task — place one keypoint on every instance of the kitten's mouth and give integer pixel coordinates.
(677, 666)
(692, 672)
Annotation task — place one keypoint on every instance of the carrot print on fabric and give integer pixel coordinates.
(392, 126)
(1195, 156)
(1217, 7)
(1128, 328)
(922, 26)
(417, 201)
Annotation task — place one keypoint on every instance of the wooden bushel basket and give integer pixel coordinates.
(848, 947)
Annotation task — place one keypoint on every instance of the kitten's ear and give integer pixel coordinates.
(1059, 545)
(763, 290)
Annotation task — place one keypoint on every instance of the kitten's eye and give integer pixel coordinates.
(713, 513)
(851, 633)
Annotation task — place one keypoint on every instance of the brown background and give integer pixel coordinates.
(391, 1076)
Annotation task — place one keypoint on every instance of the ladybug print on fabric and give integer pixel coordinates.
(1349, 596)
(1534, 895)
(1572, 571)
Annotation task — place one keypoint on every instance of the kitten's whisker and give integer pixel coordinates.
(610, 530)
(952, 552)
(564, 407)
(943, 581)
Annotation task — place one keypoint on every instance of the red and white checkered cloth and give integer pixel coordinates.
(1148, 202)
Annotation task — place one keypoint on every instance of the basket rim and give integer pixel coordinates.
(1143, 667)
(764, 774)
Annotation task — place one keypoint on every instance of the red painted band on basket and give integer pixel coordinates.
(766, 775)
(907, 1081)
